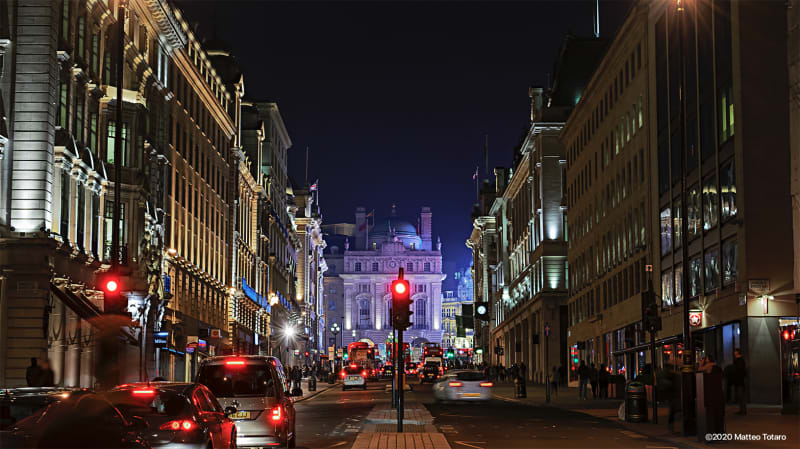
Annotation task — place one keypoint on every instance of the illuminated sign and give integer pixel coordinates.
(696, 318)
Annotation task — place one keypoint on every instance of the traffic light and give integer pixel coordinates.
(482, 311)
(111, 285)
(305, 354)
(650, 319)
(401, 304)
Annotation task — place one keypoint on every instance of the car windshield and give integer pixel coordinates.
(237, 381)
(138, 402)
(353, 370)
(475, 376)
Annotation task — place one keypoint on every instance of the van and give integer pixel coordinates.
(256, 387)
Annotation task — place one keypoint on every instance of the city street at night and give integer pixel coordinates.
(510, 224)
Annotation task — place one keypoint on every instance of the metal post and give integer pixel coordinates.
(399, 381)
(395, 371)
(653, 367)
(115, 237)
(547, 366)
(687, 370)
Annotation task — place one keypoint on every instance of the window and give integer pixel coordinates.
(66, 182)
(62, 104)
(65, 20)
(725, 114)
(710, 215)
(95, 223)
(666, 231)
(695, 276)
(110, 142)
(427, 267)
(693, 212)
(358, 267)
(108, 221)
(81, 215)
(712, 269)
(729, 261)
(363, 314)
(667, 289)
(727, 185)
(81, 36)
(678, 297)
(419, 319)
(409, 266)
(676, 223)
(375, 266)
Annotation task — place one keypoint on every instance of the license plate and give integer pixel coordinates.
(353, 378)
(241, 415)
(471, 395)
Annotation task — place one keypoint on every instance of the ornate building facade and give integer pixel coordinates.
(372, 258)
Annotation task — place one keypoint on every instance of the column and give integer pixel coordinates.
(73, 350)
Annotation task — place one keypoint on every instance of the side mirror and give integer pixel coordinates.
(230, 410)
(139, 423)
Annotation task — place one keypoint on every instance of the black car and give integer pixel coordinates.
(78, 421)
(429, 373)
(387, 372)
(19, 403)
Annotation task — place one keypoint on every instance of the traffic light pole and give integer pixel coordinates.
(400, 404)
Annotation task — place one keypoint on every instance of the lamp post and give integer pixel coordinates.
(687, 370)
(335, 329)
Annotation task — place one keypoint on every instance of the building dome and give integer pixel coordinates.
(386, 231)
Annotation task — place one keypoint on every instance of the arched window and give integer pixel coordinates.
(363, 314)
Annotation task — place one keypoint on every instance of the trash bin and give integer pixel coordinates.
(635, 402)
(519, 388)
(312, 383)
(331, 378)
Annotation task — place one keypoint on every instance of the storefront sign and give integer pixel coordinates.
(161, 339)
(696, 318)
(215, 333)
(759, 285)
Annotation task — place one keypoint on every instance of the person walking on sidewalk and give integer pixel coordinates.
(554, 381)
(33, 373)
(602, 380)
(583, 379)
(739, 374)
(672, 380)
(593, 380)
(523, 371)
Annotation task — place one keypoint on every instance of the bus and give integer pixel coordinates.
(360, 353)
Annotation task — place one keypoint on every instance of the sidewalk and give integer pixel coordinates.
(321, 387)
(758, 421)
(380, 430)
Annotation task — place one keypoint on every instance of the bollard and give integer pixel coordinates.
(312, 383)
(635, 402)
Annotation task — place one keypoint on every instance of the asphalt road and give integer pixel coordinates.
(334, 418)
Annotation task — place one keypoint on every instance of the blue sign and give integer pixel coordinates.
(261, 300)
(167, 283)
(547, 329)
(161, 339)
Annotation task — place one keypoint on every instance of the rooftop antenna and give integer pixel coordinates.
(596, 24)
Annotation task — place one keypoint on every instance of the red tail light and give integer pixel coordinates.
(455, 384)
(276, 413)
(487, 384)
(342, 373)
(177, 425)
(234, 362)
(363, 374)
(147, 392)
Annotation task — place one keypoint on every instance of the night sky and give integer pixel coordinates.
(394, 98)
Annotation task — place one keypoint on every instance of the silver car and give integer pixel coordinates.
(256, 387)
(463, 385)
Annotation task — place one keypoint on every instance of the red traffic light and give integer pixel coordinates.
(111, 285)
(400, 288)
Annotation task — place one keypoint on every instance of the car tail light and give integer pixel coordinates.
(455, 384)
(276, 413)
(487, 384)
(342, 373)
(364, 373)
(147, 392)
(178, 425)
(236, 362)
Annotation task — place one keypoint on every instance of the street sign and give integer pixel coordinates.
(547, 329)
(758, 285)
(215, 333)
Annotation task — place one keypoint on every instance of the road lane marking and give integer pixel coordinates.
(341, 443)
(630, 434)
(470, 443)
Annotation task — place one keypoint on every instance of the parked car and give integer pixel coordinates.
(463, 385)
(180, 415)
(86, 420)
(256, 386)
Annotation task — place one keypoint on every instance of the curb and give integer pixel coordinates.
(319, 391)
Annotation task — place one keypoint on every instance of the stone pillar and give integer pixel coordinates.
(72, 362)
(57, 332)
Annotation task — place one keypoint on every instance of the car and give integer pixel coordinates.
(429, 373)
(411, 368)
(256, 386)
(463, 385)
(19, 403)
(354, 376)
(180, 415)
(387, 372)
(64, 424)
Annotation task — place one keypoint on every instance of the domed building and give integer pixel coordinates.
(374, 251)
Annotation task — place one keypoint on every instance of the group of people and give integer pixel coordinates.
(498, 373)
(39, 374)
(589, 376)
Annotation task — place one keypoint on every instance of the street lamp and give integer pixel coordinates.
(335, 329)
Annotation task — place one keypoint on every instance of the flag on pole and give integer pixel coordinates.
(314, 186)
(475, 175)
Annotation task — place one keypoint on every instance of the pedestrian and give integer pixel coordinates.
(554, 381)
(740, 373)
(728, 375)
(47, 376)
(602, 380)
(514, 372)
(502, 373)
(593, 380)
(523, 371)
(33, 373)
(583, 379)
(673, 380)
